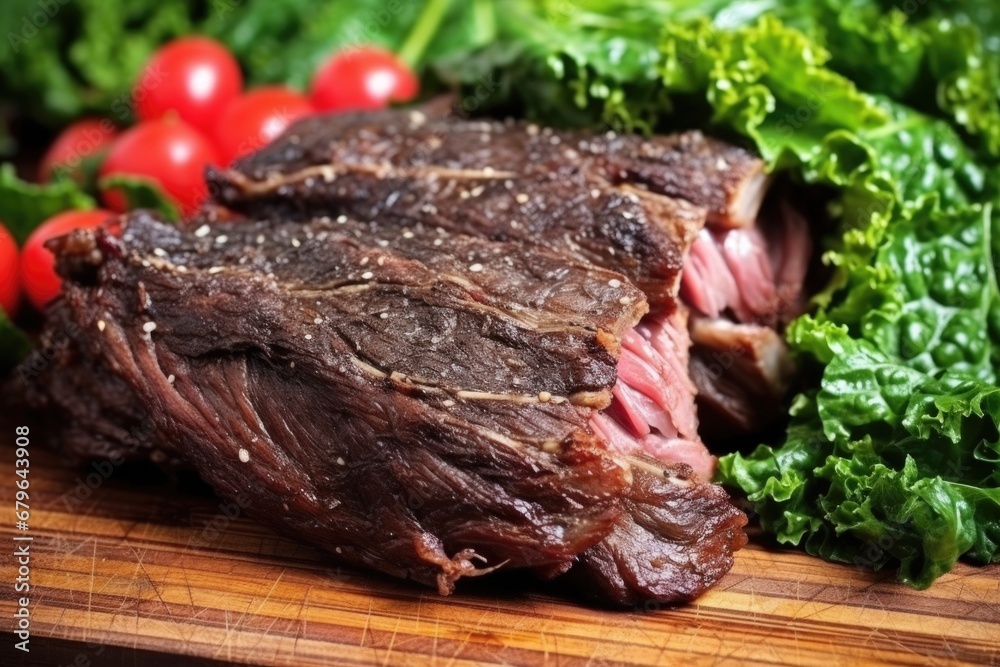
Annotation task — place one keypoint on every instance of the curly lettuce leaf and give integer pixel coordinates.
(885, 466)
(940, 289)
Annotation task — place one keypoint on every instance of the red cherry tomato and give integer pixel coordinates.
(362, 78)
(167, 151)
(41, 284)
(254, 119)
(80, 140)
(10, 281)
(195, 77)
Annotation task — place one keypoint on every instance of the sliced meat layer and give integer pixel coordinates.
(447, 313)
(414, 401)
(630, 204)
(755, 274)
(247, 373)
(744, 284)
(729, 272)
(729, 182)
(742, 372)
(654, 408)
(91, 412)
(654, 536)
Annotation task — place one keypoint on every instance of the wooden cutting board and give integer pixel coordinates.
(147, 566)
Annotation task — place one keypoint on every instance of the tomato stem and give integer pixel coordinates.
(423, 31)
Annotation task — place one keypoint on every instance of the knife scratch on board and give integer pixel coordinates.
(392, 641)
(149, 579)
(301, 623)
(368, 619)
(93, 570)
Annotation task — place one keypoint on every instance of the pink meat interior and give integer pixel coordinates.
(749, 275)
(653, 410)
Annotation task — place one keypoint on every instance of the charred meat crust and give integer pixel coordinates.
(444, 314)
(399, 340)
(674, 539)
(91, 412)
(381, 474)
(242, 358)
(728, 182)
(627, 203)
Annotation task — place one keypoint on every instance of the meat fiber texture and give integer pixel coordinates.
(623, 202)
(405, 394)
(652, 208)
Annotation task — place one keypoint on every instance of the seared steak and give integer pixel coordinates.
(624, 202)
(441, 347)
(647, 207)
(412, 400)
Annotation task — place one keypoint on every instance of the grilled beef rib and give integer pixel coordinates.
(401, 375)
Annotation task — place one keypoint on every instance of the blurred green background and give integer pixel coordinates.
(66, 58)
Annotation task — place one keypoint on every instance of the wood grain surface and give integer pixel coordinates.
(148, 565)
